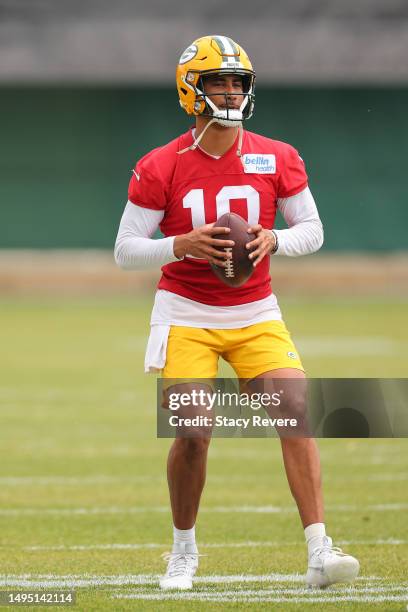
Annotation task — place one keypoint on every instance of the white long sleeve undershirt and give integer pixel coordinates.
(135, 248)
(305, 232)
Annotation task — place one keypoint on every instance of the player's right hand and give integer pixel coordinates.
(200, 243)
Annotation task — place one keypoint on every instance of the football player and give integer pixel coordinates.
(183, 187)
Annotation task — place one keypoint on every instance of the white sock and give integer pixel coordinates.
(184, 540)
(314, 535)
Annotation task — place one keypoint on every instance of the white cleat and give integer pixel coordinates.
(181, 568)
(329, 564)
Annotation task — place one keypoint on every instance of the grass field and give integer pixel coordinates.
(83, 495)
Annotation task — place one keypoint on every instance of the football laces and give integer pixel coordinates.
(229, 269)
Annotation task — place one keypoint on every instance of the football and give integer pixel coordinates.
(239, 267)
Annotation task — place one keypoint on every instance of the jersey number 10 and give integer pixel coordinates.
(195, 201)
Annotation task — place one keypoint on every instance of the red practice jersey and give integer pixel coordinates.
(193, 189)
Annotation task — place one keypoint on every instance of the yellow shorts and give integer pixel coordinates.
(194, 352)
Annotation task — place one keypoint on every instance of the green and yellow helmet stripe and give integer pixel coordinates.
(227, 48)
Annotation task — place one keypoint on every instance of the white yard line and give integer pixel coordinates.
(90, 580)
(255, 599)
(274, 591)
(24, 481)
(82, 511)
(72, 480)
(247, 544)
(101, 547)
(303, 591)
(393, 507)
(290, 509)
(386, 477)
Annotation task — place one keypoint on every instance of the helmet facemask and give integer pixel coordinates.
(229, 116)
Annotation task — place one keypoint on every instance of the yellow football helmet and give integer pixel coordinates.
(213, 55)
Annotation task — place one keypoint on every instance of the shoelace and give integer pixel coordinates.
(329, 549)
(180, 561)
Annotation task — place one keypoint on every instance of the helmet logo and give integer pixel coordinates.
(190, 77)
(188, 54)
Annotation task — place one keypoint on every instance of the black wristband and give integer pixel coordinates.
(276, 247)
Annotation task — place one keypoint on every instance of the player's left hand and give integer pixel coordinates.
(263, 244)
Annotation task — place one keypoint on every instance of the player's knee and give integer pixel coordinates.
(295, 405)
(192, 448)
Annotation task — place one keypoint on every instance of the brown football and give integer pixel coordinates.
(240, 266)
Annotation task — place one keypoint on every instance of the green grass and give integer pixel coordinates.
(77, 431)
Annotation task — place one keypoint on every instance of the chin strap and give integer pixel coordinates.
(197, 140)
(240, 139)
(239, 149)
